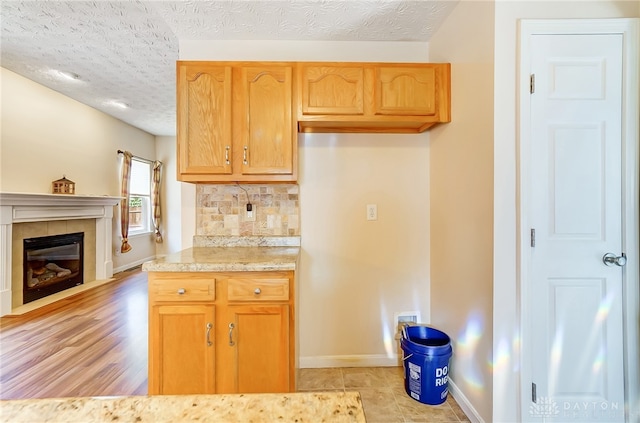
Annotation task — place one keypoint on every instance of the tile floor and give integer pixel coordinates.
(383, 395)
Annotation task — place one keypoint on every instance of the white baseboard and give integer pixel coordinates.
(371, 360)
(132, 264)
(464, 403)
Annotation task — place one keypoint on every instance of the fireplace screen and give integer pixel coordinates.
(52, 264)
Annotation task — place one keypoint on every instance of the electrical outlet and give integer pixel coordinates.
(250, 216)
(372, 212)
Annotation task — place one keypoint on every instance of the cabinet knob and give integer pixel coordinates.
(257, 291)
(181, 291)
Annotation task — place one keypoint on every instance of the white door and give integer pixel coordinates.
(575, 213)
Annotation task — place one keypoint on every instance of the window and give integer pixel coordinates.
(140, 197)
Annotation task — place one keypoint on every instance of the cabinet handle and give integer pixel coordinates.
(209, 326)
(257, 291)
(226, 154)
(231, 326)
(181, 291)
(245, 155)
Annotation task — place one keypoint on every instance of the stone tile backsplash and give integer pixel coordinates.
(221, 210)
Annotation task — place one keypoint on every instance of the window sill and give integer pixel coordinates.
(140, 234)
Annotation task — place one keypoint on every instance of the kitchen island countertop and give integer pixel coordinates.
(298, 407)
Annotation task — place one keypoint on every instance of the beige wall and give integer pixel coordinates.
(461, 168)
(170, 199)
(178, 201)
(354, 274)
(45, 135)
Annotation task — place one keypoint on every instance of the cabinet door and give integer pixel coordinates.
(254, 357)
(409, 91)
(332, 90)
(181, 350)
(204, 119)
(267, 132)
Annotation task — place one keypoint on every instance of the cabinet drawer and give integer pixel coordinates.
(259, 289)
(182, 290)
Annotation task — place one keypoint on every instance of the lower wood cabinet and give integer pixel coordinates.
(182, 356)
(238, 337)
(254, 357)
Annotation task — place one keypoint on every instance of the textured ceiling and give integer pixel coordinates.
(126, 50)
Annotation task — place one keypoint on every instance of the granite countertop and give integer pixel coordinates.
(298, 407)
(231, 254)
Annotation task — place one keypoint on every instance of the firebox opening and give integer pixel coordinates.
(52, 264)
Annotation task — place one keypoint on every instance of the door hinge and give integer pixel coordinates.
(532, 83)
(533, 237)
(534, 394)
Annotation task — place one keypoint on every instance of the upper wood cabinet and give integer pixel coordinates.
(265, 128)
(332, 90)
(236, 122)
(372, 97)
(204, 119)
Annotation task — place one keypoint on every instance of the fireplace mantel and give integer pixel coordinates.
(33, 207)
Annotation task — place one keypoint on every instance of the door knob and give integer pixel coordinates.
(610, 259)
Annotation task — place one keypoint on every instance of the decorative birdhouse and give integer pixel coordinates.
(63, 186)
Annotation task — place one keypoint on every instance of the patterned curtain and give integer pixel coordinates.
(124, 204)
(155, 199)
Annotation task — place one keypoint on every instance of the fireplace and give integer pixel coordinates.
(52, 264)
(30, 215)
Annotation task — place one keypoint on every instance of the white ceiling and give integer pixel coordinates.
(126, 50)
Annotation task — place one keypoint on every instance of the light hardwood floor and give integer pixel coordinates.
(91, 344)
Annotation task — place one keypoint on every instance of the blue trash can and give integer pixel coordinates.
(426, 353)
